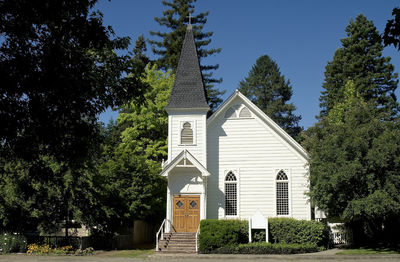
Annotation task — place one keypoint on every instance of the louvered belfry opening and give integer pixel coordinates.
(187, 134)
(245, 112)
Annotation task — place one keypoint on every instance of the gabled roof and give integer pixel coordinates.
(188, 89)
(185, 154)
(266, 119)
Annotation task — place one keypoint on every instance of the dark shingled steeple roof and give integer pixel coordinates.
(188, 89)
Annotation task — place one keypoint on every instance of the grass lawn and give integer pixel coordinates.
(140, 252)
(368, 251)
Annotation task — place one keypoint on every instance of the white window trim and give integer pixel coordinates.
(193, 126)
(288, 174)
(237, 175)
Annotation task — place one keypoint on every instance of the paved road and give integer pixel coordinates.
(321, 256)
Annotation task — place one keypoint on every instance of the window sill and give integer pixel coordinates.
(232, 217)
(187, 145)
(283, 215)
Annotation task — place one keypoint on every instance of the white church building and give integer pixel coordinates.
(231, 164)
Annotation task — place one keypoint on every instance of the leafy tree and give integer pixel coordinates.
(131, 171)
(59, 70)
(169, 47)
(355, 158)
(391, 36)
(360, 59)
(268, 89)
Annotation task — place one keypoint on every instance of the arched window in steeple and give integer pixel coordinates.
(187, 134)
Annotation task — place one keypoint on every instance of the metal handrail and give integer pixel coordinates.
(197, 236)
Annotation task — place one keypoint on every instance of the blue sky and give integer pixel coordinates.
(301, 36)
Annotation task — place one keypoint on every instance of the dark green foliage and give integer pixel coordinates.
(12, 243)
(59, 70)
(360, 59)
(268, 89)
(391, 36)
(215, 234)
(354, 168)
(292, 231)
(268, 248)
(169, 47)
(40, 195)
(258, 235)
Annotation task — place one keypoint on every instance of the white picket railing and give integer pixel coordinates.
(197, 237)
(161, 231)
(339, 238)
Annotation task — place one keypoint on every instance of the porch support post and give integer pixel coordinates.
(169, 212)
(203, 211)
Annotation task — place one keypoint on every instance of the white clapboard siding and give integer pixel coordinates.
(256, 151)
(185, 180)
(198, 122)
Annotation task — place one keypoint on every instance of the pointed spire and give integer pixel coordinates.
(188, 89)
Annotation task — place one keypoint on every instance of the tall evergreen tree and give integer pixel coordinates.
(391, 35)
(168, 48)
(268, 89)
(140, 60)
(360, 59)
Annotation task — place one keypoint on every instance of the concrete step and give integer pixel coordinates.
(191, 240)
(183, 245)
(181, 239)
(178, 243)
(179, 251)
(174, 244)
(180, 248)
(180, 236)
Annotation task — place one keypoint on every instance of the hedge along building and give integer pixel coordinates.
(231, 164)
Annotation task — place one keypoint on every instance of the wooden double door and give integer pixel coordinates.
(186, 215)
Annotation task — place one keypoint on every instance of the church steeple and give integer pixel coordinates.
(188, 89)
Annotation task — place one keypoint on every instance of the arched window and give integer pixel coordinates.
(230, 194)
(245, 112)
(230, 113)
(187, 134)
(282, 194)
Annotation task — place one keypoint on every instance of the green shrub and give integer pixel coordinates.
(226, 235)
(258, 235)
(267, 248)
(215, 234)
(12, 243)
(292, 231)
